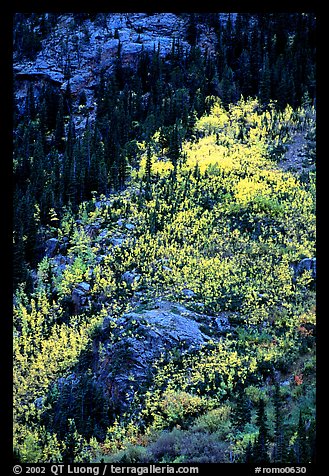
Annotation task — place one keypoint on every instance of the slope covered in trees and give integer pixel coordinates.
(220, 220)
(179, 201)
(269, 56)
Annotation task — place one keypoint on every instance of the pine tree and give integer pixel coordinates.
(154, 218)
(50, 97)
(59, 136)
(265, 82)
(174, 150)
(72, 443)
(302, 453)
(249, 458)
(38, 167)
(244, 75)
(118, 72)
(228, 41)
(280, 443)
(260, 449)
(67, 99)
(30, 108)
(148, 165)
(122, 169)
(255, 51)
(20, 271)
(191, 30)
(242, 412)
(227, 86)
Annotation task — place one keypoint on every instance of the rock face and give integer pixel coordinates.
(306, 264)
(141, 337)
(90, 46)
(130, 276)
(79, 296)
(51, 247)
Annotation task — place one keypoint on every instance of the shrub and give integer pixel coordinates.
(203, 448)
(188, 447)
(166, 447)
(174, 408)
(217, 420)
(130, 455)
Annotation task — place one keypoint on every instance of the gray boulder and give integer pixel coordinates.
(306, 264)
(103, 234)
(51, 247)
(39, 403)
(188, 293)
(83, 287)
(116, 241)
(130, 226)
(130, 276)
(79, 296)
(139, 339)
(222, 320)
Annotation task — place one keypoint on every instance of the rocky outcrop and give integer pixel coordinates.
(140, 337)
(130, 277)
(79, 52)
(80, 296)
(76, 53)
(52, 246)
(306, 264)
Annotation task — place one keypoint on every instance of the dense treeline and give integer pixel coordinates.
(268, 55)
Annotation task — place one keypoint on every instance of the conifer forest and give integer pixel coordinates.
(164, 238)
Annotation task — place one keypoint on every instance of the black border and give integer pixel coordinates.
(6, 191)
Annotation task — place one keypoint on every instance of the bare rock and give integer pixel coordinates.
(79, 296)
(51, 247)
(188, 293)
(306, 264)
(140, 338)
(130, 277)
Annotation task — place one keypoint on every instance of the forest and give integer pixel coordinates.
(164, 266)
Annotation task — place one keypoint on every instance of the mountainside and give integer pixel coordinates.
(76, 49)
(164, 239)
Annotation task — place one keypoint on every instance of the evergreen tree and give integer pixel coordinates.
(244, 74)
(122, 169)
(50, 96)
(228, 41)
(148, 168)
(260, 449)
(248, 458)
(227, 86)
(256, 56)
(30, 108)
(59, 136)
(72, 443)
(67, 100)
(148, 165)
(191, 31)
(301, 447)
(265, 82)
(242, 411)
(280, 438)
(20, 270)
(38, 167)
(154, 222)
(56, 177)
(174, 149)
